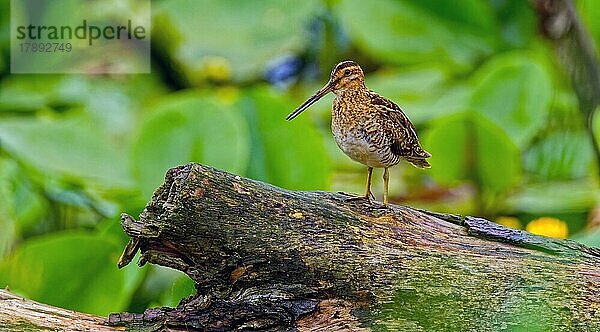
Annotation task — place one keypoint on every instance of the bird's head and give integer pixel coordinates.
(346, 75)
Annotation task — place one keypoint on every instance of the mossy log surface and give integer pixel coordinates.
(265, 258)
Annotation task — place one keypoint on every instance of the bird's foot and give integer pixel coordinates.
(369, 195)
(355, 197)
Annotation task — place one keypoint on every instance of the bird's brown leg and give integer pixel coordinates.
(386, 182)
(368, 193)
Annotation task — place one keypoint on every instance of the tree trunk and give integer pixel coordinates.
(577, 54)
(264, 258)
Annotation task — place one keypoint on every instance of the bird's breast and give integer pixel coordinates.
(357, 144)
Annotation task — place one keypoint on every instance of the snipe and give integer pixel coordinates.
(368, 127)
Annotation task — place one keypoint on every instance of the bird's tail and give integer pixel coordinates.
(418, 162)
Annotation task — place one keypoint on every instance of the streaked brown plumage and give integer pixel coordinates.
(366, 126)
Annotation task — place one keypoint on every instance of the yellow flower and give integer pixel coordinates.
(216, 68)
(510, 222)
(548, 226)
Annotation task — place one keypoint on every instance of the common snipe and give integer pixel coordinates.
(368, 127)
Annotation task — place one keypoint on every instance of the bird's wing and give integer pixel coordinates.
(401, 132)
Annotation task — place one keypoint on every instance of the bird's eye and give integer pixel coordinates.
(347, 72)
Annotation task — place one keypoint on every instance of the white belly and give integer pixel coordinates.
(358, 149)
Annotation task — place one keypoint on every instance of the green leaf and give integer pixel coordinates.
(7, 206)
(111, 105)
(518, 21)
(260, 31)
(412, 32)
(70, 146)
(472, 13)
(468, 147)
(5, 12)
(514, 91)
(187, 127)
(561, 156)
(20, 206)
(554, 197)
(286, 154)
(589, 11)
(595, 125)
(73, 270)
(22, 93)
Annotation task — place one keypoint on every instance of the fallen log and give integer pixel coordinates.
(265, 258)
(19, 314)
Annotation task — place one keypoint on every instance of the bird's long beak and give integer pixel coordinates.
(313, 99)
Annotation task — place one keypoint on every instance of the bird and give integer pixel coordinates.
(367, 127)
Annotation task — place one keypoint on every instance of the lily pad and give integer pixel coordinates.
(514, 91)
(288, 154)
(409, 32)
(469, 147)
(189, 126)
(230, 39)
(42, 269)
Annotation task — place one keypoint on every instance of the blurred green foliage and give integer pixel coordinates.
(483, 88)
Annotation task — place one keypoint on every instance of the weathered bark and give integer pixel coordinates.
(267, 258)
(19, 314)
